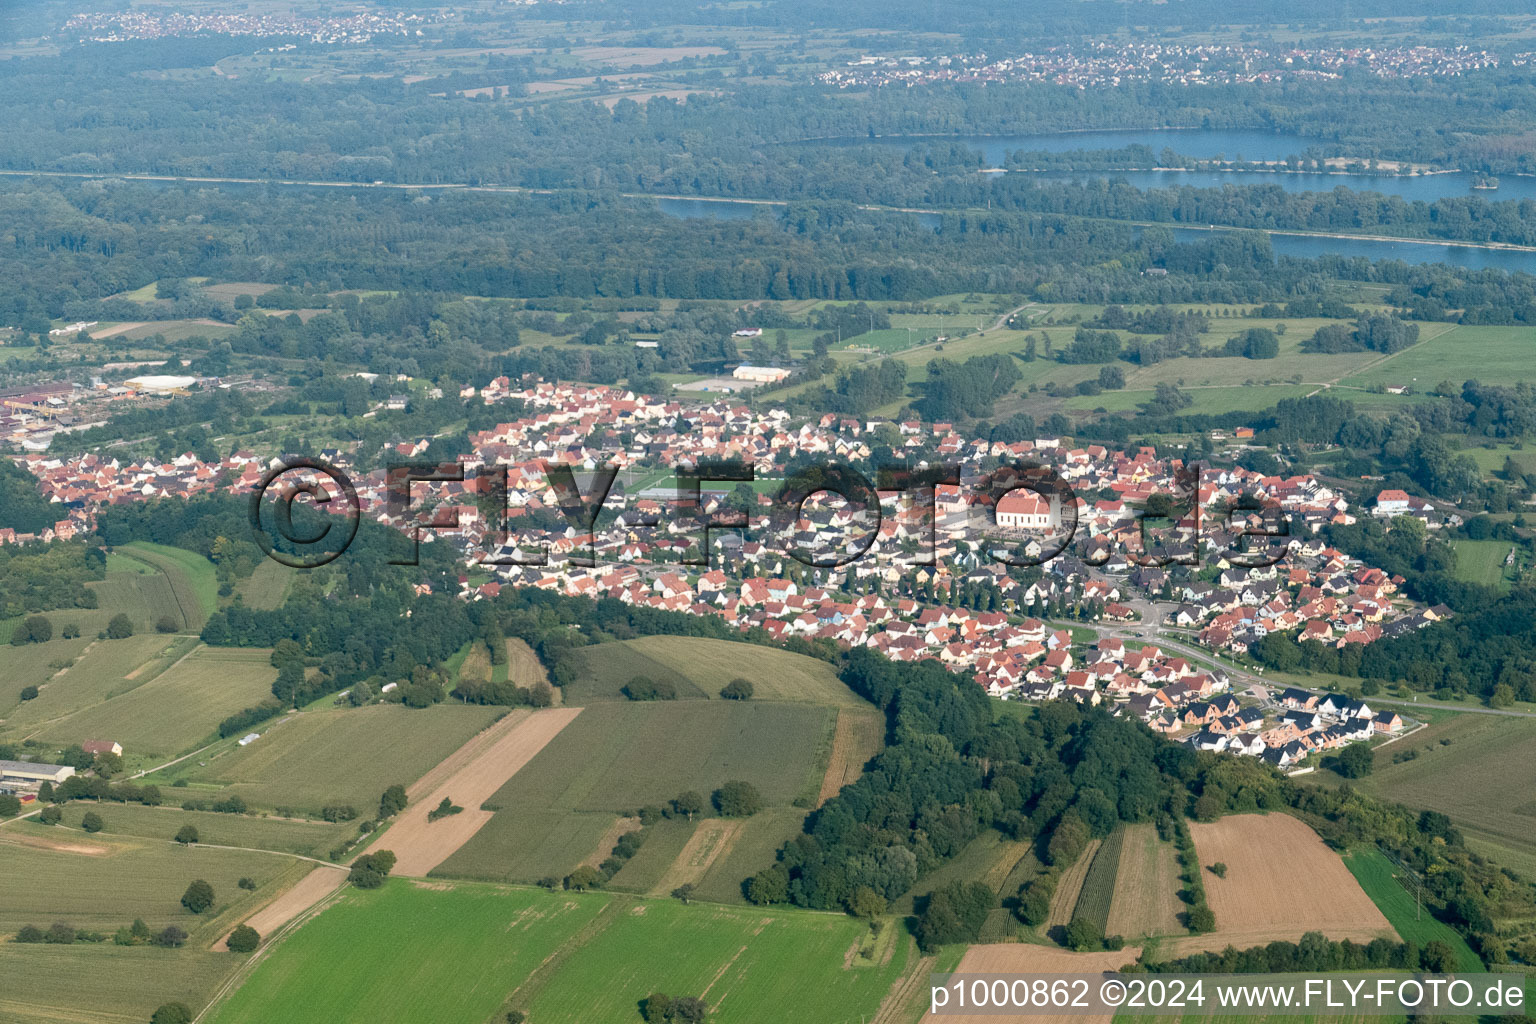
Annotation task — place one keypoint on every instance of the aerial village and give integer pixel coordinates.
(1088, 620)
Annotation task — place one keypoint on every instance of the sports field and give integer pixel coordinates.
(177, 709)
(307, 760)
(617, 757)
(564, 958)
(699, 667)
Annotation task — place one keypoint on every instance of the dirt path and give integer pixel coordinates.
(907, 989)
(712, 840)
(473, 748)
(308, 891)
(419, 845)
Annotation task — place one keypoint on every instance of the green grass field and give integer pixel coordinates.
(179, 708)
(1482, 561)
(1503, 354)
(562, 957)
(1376, 876)
(615, 758)
(699, 667)
(1498, 820)
(340, 755)
(1203, 400)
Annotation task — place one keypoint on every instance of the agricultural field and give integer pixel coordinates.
(1146, 890)
(104, 881)
(1069, 888)
(989, 858)
(1027, 958)
(267, 586)
(1204, 399)
(562, 957)
(699, 667)
(280, 835)
(615, 758)
(472, 775)
(1451, 777)
(179, 708)
(313, 758)
(1281, 882)
(194, 587)
(31, 665)
(858, 737)
(1378, 877)
(103, 670)
(104, 984)
(1097, 892)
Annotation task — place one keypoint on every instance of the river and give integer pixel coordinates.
(1301, 246)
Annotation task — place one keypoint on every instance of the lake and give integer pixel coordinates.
(1425, 187)
(1208, 144)
(1201, 143)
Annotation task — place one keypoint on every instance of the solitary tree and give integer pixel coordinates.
(1219, 869)
(51, 815)
(187, 835)
(688, 804)
(392, 802)
(737, 689)
(171, 938)
(683, 893)
(198, 897)
(120, 627)
(172, 1013)
(737, 799)
(244, 939)
(370, 870)
(583, 878)
(166, 624)
(29, 693)
(92, 822)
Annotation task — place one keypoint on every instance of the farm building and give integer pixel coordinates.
(26, 776)
(102, 747)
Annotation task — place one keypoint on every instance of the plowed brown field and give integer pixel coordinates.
(1282, 882)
